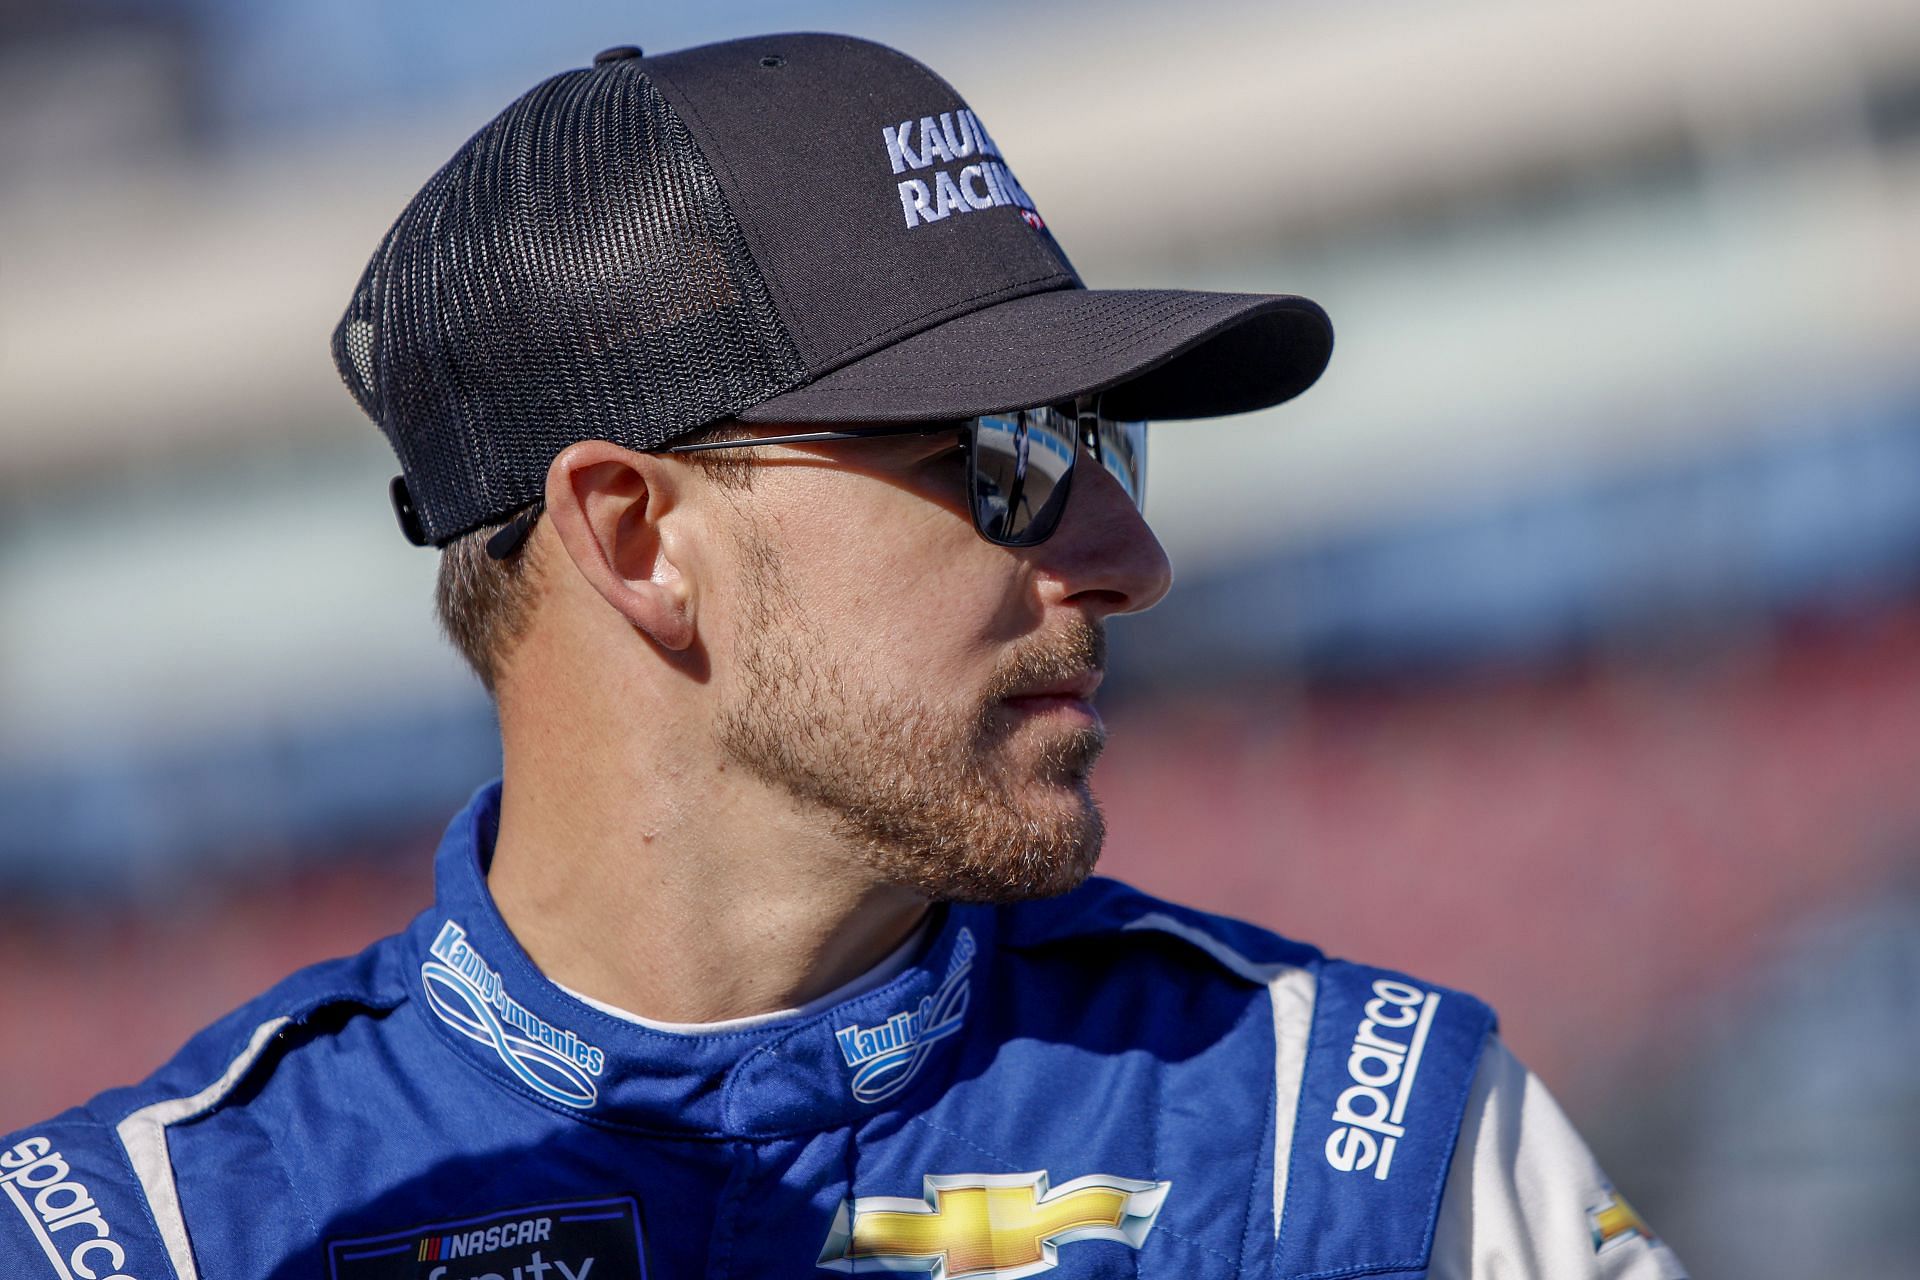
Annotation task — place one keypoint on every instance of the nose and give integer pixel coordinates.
(1103, 558)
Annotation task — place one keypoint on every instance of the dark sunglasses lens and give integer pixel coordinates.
(1123, 452)
(1021, 465)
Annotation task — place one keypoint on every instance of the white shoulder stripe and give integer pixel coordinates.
(144, 1135)
(1291, 990)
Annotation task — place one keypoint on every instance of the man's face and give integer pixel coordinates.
(917, 683)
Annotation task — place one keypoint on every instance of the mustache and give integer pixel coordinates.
(1080, 647)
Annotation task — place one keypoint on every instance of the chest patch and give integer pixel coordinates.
(999, 1225)
(578, 1240)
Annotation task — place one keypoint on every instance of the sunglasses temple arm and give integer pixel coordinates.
(902, 429)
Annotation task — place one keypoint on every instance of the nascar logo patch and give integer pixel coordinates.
(575, 1240)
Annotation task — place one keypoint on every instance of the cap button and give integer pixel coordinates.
(619, 53)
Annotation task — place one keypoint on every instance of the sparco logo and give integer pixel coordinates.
(1385, 1055)
(61, 1214)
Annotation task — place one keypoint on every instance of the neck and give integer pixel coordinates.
(700, 900)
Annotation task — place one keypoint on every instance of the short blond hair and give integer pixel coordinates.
(485, 604)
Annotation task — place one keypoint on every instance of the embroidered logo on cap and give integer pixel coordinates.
(950, 140)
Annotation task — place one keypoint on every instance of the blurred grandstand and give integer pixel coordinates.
(1563, 645)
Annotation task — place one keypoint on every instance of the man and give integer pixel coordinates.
(786, 476)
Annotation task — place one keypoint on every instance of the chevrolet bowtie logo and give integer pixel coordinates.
(1003, 1225)
(1614, 1219)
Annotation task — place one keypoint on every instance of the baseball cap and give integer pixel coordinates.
(790, 228)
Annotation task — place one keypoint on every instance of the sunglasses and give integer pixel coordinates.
(1019, 466)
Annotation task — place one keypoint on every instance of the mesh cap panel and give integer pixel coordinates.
(572, 273)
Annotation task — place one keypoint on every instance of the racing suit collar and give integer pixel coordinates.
(483, 996)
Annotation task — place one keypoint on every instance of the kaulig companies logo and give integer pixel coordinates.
(886, 1057)
(467, 994)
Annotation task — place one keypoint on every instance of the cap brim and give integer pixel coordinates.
(1158, 354)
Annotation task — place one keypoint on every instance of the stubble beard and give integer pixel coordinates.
(928, 797)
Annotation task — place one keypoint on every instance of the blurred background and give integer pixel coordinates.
(1563, 644)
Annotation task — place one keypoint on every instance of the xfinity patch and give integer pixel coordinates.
(578, 1240)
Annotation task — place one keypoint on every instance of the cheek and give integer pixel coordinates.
(902, 589)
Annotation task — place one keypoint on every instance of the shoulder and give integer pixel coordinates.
(1125, 935)
(91, 1191)
(1104, 914)
(1367, 1073)
(1526, 1197)
(1405, 1123)
(1336, 1025)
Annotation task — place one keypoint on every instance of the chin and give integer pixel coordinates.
(1042, 848)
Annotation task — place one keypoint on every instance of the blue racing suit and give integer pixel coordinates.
(1097, 1085)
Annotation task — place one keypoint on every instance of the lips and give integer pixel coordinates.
(1079, 688)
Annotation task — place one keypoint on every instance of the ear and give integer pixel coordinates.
(607, 505)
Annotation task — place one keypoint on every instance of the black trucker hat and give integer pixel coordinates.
(792, 228)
